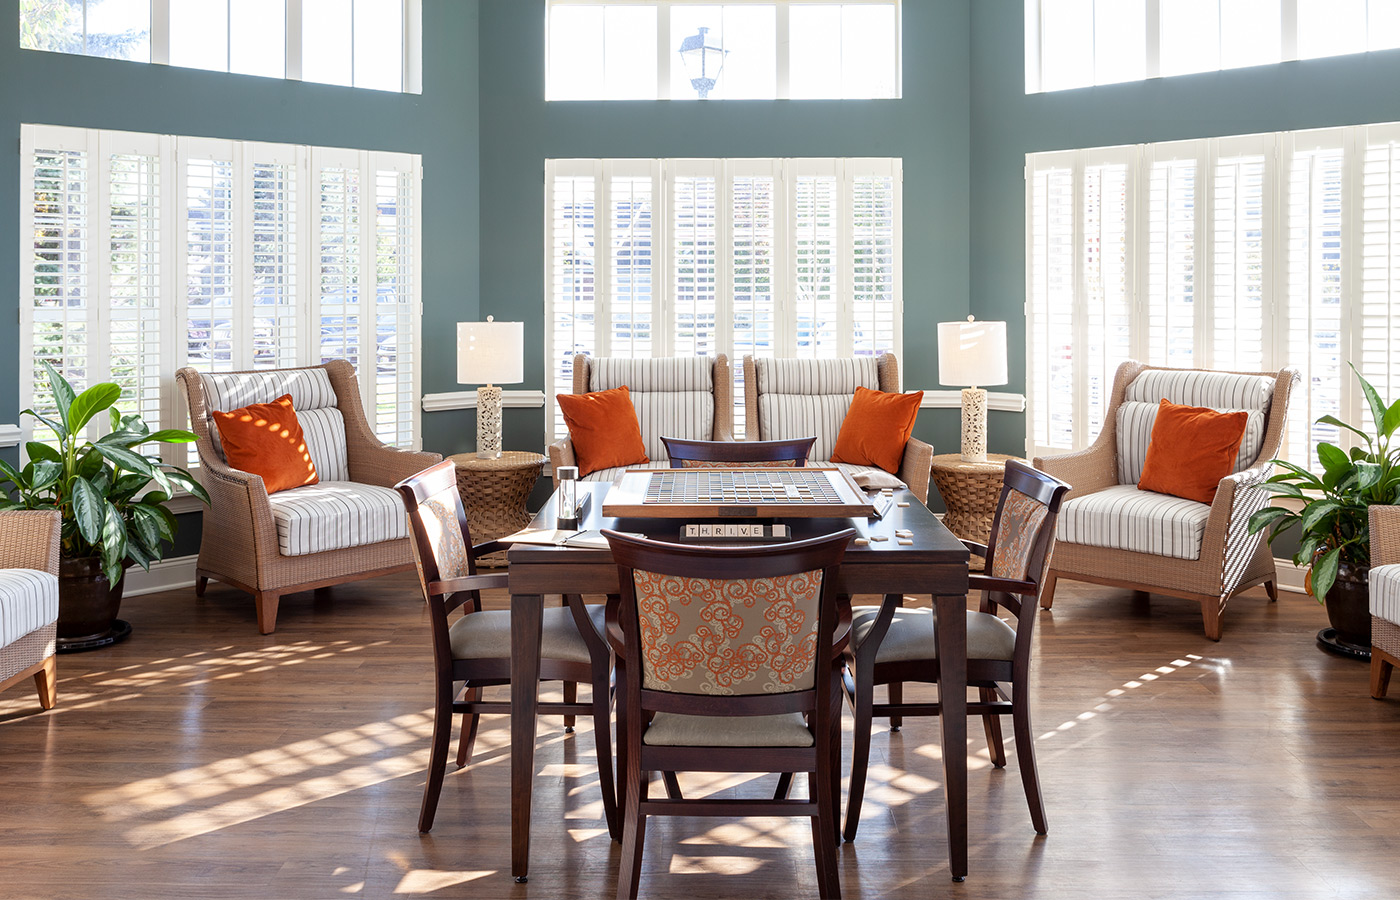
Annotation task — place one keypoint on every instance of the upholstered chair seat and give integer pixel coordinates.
(1385, 597)
(680, 730)
(29, 547)
(913, 635)
(486, 635)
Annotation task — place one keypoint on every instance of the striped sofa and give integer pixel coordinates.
(350, 525)
(1110, 532)
(1385, 597)
(689, 397)
(794, 398)
(29, 600)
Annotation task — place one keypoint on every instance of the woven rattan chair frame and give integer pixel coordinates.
(445, 596)
(1385, 634)
(989, 676)
(821, 703)
(1231, 559)
(915, 468)
(561, 452)
(29, 539)
(238, 541)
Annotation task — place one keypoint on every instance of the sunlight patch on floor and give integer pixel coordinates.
(1105, 703)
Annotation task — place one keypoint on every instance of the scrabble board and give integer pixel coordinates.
(741, 493)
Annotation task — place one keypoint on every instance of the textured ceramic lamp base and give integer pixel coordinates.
(974, 425)
(488, 422)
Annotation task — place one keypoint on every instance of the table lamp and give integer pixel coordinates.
(489, 354)
(972, 353)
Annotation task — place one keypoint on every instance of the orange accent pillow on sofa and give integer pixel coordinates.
(1192, 448)
(266, 439)
(876, 428)
(604, 430)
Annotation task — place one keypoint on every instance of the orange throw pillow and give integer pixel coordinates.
(876, 428)
(604, 430)
(266, 439)
(1192, 448)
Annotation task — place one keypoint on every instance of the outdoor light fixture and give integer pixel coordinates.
(703, 61)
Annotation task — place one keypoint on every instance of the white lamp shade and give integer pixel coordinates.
(490, 352)
(971, 353)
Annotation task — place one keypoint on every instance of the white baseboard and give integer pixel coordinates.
(1290, 577)
(166, 575)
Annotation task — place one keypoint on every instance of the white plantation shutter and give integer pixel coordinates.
(153, 252)
(1103, 336)
(816, 262)
(570, 290)
(1241, 208)
(1376, 350)
(874, 276)
(694, 259)
(1172, 261)
(630, 212)
(754, 274)
(1050, 289)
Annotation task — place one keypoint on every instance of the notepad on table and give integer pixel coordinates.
(561, 537)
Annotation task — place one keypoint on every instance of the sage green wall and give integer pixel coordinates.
(1007, 123)
(440, 124)
(928, 128)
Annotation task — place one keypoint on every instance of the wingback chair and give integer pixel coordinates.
(29, 600)
(794, 398)
(349, 526)
(1112, 533)
(1385, 597)
(688, 397)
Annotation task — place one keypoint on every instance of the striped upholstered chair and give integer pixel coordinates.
(29, 600)
(1112, 533)
(688, 397)
(795, 398)
(1385, 597)
(349, 526)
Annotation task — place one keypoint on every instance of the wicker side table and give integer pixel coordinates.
(494, 492)
(970, 491)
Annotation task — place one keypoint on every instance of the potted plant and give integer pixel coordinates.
(1333, 523)
(112, 500)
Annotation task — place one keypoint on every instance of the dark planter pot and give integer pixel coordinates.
(88, 606)
(1349, 607)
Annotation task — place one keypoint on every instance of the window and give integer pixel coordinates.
(743, 49)
(692, 257)
(153, 252)
(1243, 253)
(356, 43)
(1078, 43)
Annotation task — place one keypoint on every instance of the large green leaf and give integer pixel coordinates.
(1391, 420)
(9, 473)
(114, 542)
(1324, 572)
(187, 481)
(36, 450)
(91, 402)
(62, 396)
(165, 519)
(136, 554)
(1317, 511)
(45, 473)
(146, 526)
(1333, 458)
(171, 436)
(126, 459)
(1372, 398)
(1266, 517)
(1333, 420)
(89, 510)
(1368, 475)
(57, 428)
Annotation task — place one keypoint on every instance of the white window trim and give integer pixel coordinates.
(174, 154)
(662, 173)
(665, 51)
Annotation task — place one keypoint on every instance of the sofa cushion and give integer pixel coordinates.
(313, 397)
(804, 397)
(1136, 419)
(334, 515)
(1385, 593)
(1124, 518)
(610, 474)
(1192, 387)
(672, 397)
(28, 600)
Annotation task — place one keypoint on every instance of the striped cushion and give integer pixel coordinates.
(1217, 390)
(679, 414)
(1385, 593)
(799, 398)
(334, 515)
(674, 397)
(28, 600)
(1125, 518)
(1135, 421)
(869, 477)
(610, 474)
(313, 398)
(817, 376)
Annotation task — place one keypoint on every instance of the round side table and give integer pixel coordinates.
(494, 492)
(970, 491)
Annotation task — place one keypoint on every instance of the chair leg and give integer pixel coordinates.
(1210, 613)
(1271, 588)
(267, 611)
(469, 724)
(991, 723)
(673, 787)
(46, 682)
(784, 786)
(864, 701)
(1047, 590)
(1381, 668)
(570, 696)
(200, 583)
(602, 738)
(437, 759)
(824, 833)
(629, 873)
(896, 697)
(1025, 758)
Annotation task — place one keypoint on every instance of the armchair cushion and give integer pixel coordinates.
(1385, 592)
(28, 601)
(1192, 448)
(876, 428)
(334, 515)
(801, 397)
(266, 439)
(671, 397)
(604, 429)
(313, 397)
(1137, 418)
(1123, 517)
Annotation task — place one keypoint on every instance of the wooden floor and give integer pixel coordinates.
(200, 759)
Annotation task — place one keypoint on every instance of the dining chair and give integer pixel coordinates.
(475, 648)
(687, 454)
(729, 660)
(891, 645)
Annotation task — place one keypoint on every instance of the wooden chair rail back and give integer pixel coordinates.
(795, 450)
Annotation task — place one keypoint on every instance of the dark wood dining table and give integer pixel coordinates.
(935, 564)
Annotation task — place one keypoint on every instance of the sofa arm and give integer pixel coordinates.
(1087, 471)
(916, 467)
(1385, 535)
(29, 539)
(561, 453)
(386, 466)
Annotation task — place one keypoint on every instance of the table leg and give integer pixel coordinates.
(952, 694)
(526, 622)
